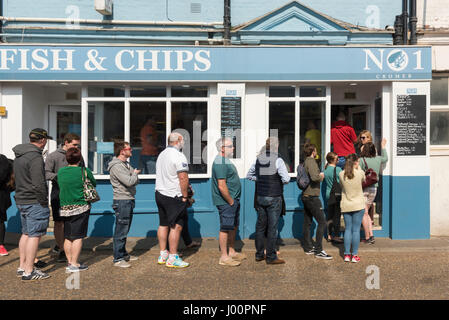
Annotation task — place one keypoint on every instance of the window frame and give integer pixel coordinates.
(127, 99)
(297, 99)
(439, 149)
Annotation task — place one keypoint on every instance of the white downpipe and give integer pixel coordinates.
(109, 22)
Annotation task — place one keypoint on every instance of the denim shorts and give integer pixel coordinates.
(34, 218)
(229, 216)
(370, 195)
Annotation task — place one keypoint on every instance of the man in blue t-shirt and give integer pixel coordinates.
(226, 190)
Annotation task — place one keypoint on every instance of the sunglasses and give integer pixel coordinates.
(231, 146)
(363, 138)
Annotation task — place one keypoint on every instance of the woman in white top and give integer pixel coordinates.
(352, 205)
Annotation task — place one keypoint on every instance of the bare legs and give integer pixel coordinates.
(227, 240)
(28, 249)
(58, 231)
(367, 223)
(173, 238)
(72, 251)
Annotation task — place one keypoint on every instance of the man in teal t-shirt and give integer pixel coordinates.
(226, 191)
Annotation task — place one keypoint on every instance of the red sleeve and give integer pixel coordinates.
(353, 135)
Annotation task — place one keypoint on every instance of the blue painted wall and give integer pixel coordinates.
(405, 218)
(410, 217)
(242, 11)
(294, 31)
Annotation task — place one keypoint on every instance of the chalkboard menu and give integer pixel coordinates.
(411, 122)
(231, 120)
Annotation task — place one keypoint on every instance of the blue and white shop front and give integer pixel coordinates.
(130, 92)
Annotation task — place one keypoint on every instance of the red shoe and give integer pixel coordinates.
(355, 259)
(347, 257)
(3, 251)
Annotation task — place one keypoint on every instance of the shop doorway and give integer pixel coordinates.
(358, 116)
(366, 117)
(64, 119)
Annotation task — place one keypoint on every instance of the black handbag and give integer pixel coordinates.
(335, 195)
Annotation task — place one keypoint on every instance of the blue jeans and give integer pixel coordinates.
(353, 221)
(123, 218)
(268, 213)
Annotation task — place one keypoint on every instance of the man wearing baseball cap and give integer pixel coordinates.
(32, 201)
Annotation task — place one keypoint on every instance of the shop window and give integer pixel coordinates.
(147, 134)
(312, 91)
(189, 91)
(190, 119)
(439, 91)
(312, 127)
(148, 92)
(109, 92)
(105, 126)
(282, 91)
(282, 121)
(439, 127)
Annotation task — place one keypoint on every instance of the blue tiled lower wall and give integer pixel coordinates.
(411, 208)
(407, 217)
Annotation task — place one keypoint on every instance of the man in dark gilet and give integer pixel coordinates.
(270, 173)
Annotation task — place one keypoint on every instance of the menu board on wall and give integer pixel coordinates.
(231, 120)
(411, 122)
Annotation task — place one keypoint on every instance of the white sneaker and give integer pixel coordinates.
(176, 262)
(163, 257)
(122, 264)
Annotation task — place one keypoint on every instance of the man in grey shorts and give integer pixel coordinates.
(226, 190)
(32, 201)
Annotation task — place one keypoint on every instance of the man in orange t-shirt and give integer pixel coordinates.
(150, 151)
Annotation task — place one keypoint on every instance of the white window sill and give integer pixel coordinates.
(442, 150)
(152, 176)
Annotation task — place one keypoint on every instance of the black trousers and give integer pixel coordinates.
(333, 219)
(2, 233)
(312, 209)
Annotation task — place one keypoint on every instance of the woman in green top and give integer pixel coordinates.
(333, 210)
(370, 159)
(74, 208)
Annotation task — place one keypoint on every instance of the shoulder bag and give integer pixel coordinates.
(335, 195)
(89, 192)
(370, 176)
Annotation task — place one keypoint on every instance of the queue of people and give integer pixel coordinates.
(343, 176)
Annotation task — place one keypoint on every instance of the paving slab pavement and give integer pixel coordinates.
(134, 243)
(404, 269)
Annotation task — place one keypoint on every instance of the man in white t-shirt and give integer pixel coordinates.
(172, 183)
